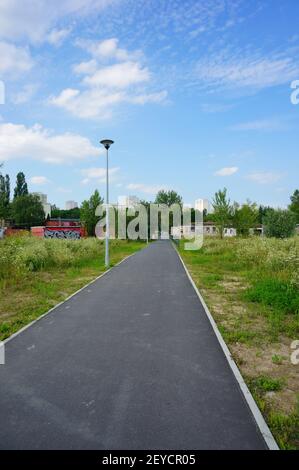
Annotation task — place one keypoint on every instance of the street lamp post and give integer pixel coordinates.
(107, 144)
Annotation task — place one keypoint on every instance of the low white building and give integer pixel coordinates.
(230, 232)
(210, 229)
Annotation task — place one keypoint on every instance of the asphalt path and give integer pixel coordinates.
(130, 362)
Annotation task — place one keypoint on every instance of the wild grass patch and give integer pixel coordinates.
(264, 384)
(280, 295)
(252, 288)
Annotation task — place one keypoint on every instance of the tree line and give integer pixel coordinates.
(280, 223)
(26, 210)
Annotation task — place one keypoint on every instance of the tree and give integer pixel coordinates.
(65, 214)
(4, 196)
(294, 206)
(222, 210)
(87, 212)
(21, 188)
(27, 210)
(279, 223)
(168, 198)
(262, 211)
(245, 217)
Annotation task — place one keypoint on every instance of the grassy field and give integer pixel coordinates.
(36, 274)
(250, 285)
(252, 289)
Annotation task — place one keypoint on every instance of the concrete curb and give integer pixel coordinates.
(259, 419)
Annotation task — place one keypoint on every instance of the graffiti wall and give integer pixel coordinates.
(62, 234)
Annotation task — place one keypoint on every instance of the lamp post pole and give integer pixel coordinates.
(107, 211)
(107, 144)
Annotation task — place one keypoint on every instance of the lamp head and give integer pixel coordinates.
(107, 143)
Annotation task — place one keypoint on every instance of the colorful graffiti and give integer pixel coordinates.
(63, 234)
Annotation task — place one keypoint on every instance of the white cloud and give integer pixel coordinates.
(215, 107)
(107, 87)
(57, 36)
(120, 75)
(104, 87)
(87, 67)
(88, 104)
(144, 188)
(33, 19)
(266, 177)
(236, 68)
(25, 94)
(227, 171)
(65, 97)
(100, 103)
(18, 141)
(39, 180)
(108, 49)
(271, 124)
(158, 97)
(14, 60)
(99, 174)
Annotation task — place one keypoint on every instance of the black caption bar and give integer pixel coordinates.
(136, 459)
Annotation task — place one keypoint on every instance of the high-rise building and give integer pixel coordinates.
(46, 205)
(71, 205)
(203, 204)
(128, 201)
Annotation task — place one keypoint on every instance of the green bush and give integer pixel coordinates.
(279, 223)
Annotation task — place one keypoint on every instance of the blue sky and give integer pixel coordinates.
(195, 93)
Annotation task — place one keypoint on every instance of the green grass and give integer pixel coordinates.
(237, 336)
(266, 384)
(277, 359)
(279, 295)
(43, 273)
(269, 269)
(286, 428)
(252, 289)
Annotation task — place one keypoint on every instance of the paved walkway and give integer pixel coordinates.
(130, 362)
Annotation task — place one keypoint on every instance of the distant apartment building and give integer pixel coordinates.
(71, 205)
(203, 204)
(46, 205)
(128, 201)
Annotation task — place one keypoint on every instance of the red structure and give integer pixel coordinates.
(13, 232)
(70, 229)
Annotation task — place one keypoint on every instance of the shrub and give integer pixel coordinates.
(279, 223)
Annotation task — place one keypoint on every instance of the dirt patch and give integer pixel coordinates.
(255, 362)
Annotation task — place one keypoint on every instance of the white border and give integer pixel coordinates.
(260, 421)
(63, 301)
